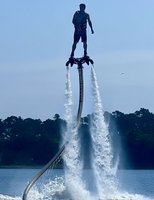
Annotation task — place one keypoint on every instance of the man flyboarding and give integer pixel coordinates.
(80, 19)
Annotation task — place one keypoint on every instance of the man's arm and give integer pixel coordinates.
(90, 23)
(74, 19)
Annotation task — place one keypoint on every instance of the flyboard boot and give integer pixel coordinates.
(71, 60)
(87, 58)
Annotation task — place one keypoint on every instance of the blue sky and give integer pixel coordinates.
(36, 38)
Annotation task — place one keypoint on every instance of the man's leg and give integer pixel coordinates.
(85, 48)
(73, 49)
(84, 40)
(76, 40)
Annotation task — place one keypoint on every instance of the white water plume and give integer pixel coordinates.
(102, 151)
(72, 159)
(69, 103)
(72, 148)
(54, 190)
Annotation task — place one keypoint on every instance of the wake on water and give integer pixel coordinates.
(71, 186)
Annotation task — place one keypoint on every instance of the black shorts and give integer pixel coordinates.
(78, 36)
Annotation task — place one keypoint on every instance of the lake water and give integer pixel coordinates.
(132, 184)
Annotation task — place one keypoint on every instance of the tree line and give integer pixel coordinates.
(33, 142)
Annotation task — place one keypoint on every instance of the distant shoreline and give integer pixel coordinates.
(58, 167)
(20, 167)
(26, 167)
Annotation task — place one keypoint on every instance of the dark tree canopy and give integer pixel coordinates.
(34, 142)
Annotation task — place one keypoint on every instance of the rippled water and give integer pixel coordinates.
(132, 184)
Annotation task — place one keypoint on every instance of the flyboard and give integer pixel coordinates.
(79, 62)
